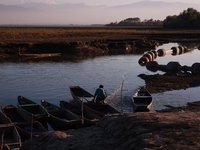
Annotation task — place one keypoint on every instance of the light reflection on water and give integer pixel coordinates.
(175, 98)
(50, 80)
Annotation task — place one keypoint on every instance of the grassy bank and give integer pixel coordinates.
(63, 34)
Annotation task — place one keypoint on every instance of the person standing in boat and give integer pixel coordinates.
(100, 94)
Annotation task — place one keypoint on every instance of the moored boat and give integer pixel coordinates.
(142, 100)
(88, 117)
(40, 55)
(33, 109)
(26, 125)
(60, 118)
(80, 95)
(83, 97)
(10, 137)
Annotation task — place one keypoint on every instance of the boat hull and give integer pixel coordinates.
(34, 110)
(142, 100)
(9, 134)
(84, 99)
(60, 118)
(86, 116)
(26, 125)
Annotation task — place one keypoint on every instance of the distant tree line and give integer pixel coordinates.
(188, 19)
(136, 22)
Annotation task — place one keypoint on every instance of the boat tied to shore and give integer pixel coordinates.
(89, 118)
(142, 100)
(33, 109)
(27, 126)
(10, 138)
(60, 118)
(84, 99)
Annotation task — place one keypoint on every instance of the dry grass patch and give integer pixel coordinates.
(67, 34)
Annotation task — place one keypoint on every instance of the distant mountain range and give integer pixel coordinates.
(65, 14)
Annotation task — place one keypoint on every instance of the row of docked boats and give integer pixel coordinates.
(30, 119)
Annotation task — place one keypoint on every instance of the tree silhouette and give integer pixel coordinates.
(189, 19)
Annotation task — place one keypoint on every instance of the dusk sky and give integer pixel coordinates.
(90, 2)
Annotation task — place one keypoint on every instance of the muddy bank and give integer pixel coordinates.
(74, 50)
(84, 42)
(160, 83)
(177, 128)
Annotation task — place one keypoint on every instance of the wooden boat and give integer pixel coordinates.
(25, 124)
(10, 137)
(60, 118)
(40, 55)
(79, 94)
(82, 97)
(15, 114)
(34, 110)
(142, 100)
(89, 118)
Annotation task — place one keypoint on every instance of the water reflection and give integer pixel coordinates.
(175, 98)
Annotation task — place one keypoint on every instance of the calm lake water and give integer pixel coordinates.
(51, 80)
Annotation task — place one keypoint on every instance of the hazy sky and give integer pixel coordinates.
(91, 2)
(88, 15)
